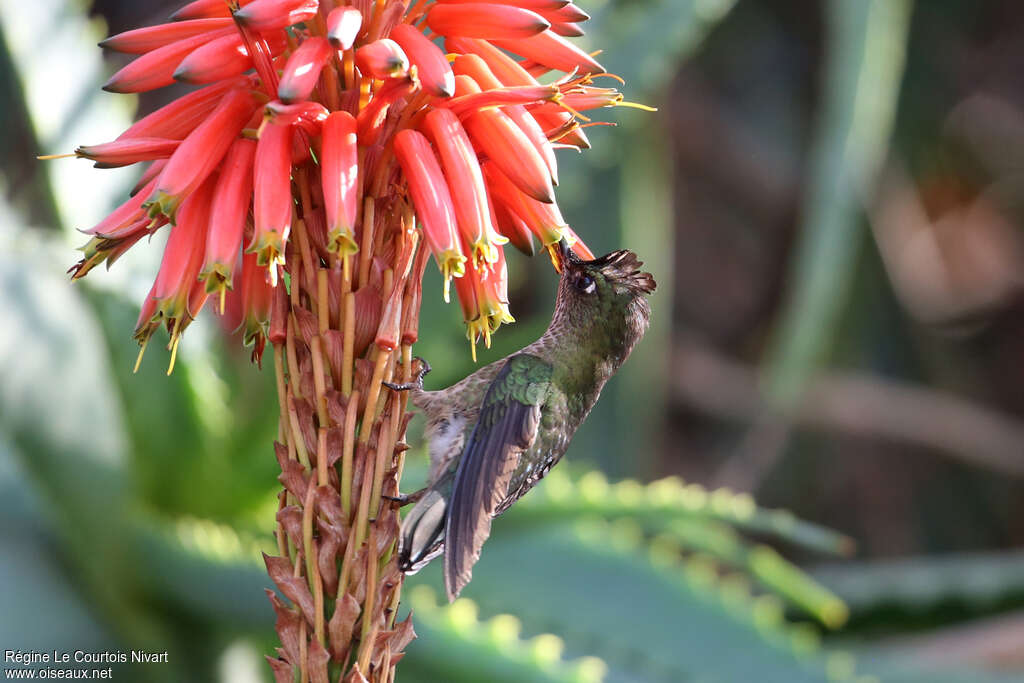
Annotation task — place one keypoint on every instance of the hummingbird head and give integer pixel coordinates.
(606, 296)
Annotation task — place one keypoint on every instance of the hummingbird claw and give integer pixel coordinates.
(416, 383)
(403, 499)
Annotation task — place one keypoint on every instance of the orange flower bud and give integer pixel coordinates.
(382, 59)
(339, 176)
(505, 69)
(127, 152)
(497, 136)
(433, 70)
(272, 195)
(309, 116)
(222, 58)
(553, 51)
(512, 227)
(266, 15)
(228, 214)
(200, 9)
(466, 183)
(568, 29)
(199, 153)
(433, 202)
(343, 24)
(485, 20)
(142, 40)
(303, 70)
(567, 13)
(155, 69)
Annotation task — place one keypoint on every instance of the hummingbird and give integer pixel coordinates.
(493, 435)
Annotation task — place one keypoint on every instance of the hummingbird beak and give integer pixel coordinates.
(560, 254)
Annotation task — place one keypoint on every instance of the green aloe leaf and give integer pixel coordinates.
(646, 614)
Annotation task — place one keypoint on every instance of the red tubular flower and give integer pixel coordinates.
(272, 197)
(232, 198)
(466, 182)
(433, 202)
(484, 20)
(435, 74)
(466, 290)
(266, 15)
(303, 70)
(496, 134)
(544, 220)
(155, 69)
(463, 105)
(509, 72)
(200, 9)
(483, 297)
(143, 40)
(343, 24)
(553, 51)
(339, 174)
(183, 257)
(476, 67)
(534, 5)
(179, 118)
(257, 295)
(382, 59)
(128, 151)
(586, 97)
(222, 58)
(493, 297)
(199, 154)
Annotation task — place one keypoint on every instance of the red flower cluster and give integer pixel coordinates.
(325, 122)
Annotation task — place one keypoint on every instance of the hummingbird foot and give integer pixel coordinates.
(403, 499)
(416, 383)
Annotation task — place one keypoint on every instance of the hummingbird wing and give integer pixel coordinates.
(507, 426)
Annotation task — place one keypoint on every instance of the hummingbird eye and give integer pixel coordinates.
(585, 284)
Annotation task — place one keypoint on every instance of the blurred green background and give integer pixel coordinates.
(830, 198)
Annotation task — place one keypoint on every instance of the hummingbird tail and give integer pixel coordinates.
(422, 535)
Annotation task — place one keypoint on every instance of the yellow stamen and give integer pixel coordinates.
(636, 105)
(223, 292)
(446, 273)
(142, 350)
(175, 340)
(572, 111)
(47, 157)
